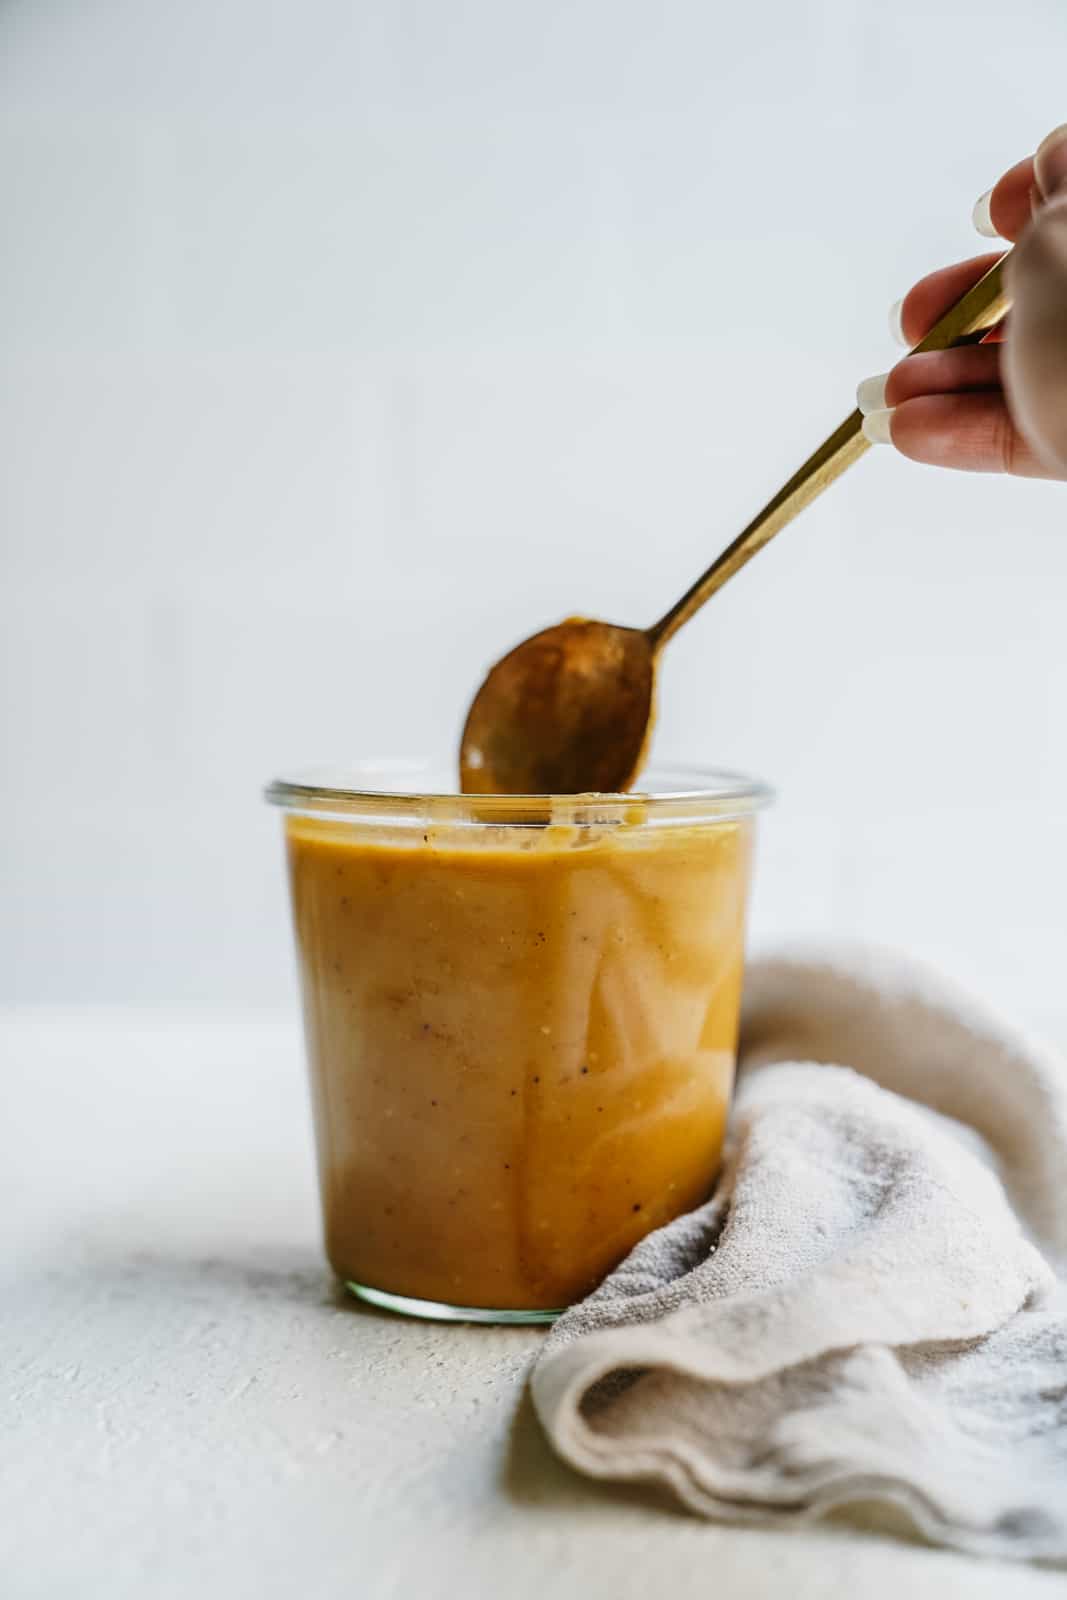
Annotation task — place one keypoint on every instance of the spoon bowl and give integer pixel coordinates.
(568, 711)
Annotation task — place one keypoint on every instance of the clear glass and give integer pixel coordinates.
(521, 1019)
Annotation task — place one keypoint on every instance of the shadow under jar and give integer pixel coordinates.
(521, 1017)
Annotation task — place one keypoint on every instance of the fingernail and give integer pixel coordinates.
(896, 323)
(1050, 162)
(870, 396)
(877, 426)
(982, 216)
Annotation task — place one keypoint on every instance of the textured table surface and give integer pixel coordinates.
(189, 1408)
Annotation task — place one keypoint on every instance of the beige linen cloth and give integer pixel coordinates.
(868, 1309)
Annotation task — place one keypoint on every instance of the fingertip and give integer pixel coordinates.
(1009, 200)
(911, 318)
(929, 372)
(895, 387)
(1057, 136)
(923, 433)
(1050, 162)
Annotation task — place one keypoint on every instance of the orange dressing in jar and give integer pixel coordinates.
(521, 1034)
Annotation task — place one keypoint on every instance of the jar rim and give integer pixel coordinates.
(399, 791)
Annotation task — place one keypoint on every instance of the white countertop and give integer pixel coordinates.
(189, 1408)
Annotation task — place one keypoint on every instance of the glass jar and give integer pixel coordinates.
(521, 1019)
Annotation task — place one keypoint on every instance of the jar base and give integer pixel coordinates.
(438, 1311)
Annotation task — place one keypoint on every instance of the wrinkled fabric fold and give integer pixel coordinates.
(868, 1309)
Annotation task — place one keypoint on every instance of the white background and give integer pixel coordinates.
(343, 343)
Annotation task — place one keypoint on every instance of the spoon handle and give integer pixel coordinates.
(963, 323)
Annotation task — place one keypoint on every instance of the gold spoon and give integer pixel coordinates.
(570, 710)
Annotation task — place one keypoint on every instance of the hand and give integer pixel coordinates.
(999, 406)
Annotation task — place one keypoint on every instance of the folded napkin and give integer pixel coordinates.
(868, 1309)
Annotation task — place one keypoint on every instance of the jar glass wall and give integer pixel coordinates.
(521, 1018)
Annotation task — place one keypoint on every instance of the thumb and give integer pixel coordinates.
(1050, 163)
(1035, 354)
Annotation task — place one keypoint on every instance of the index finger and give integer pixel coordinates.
(931, 297)
(1007, 204)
